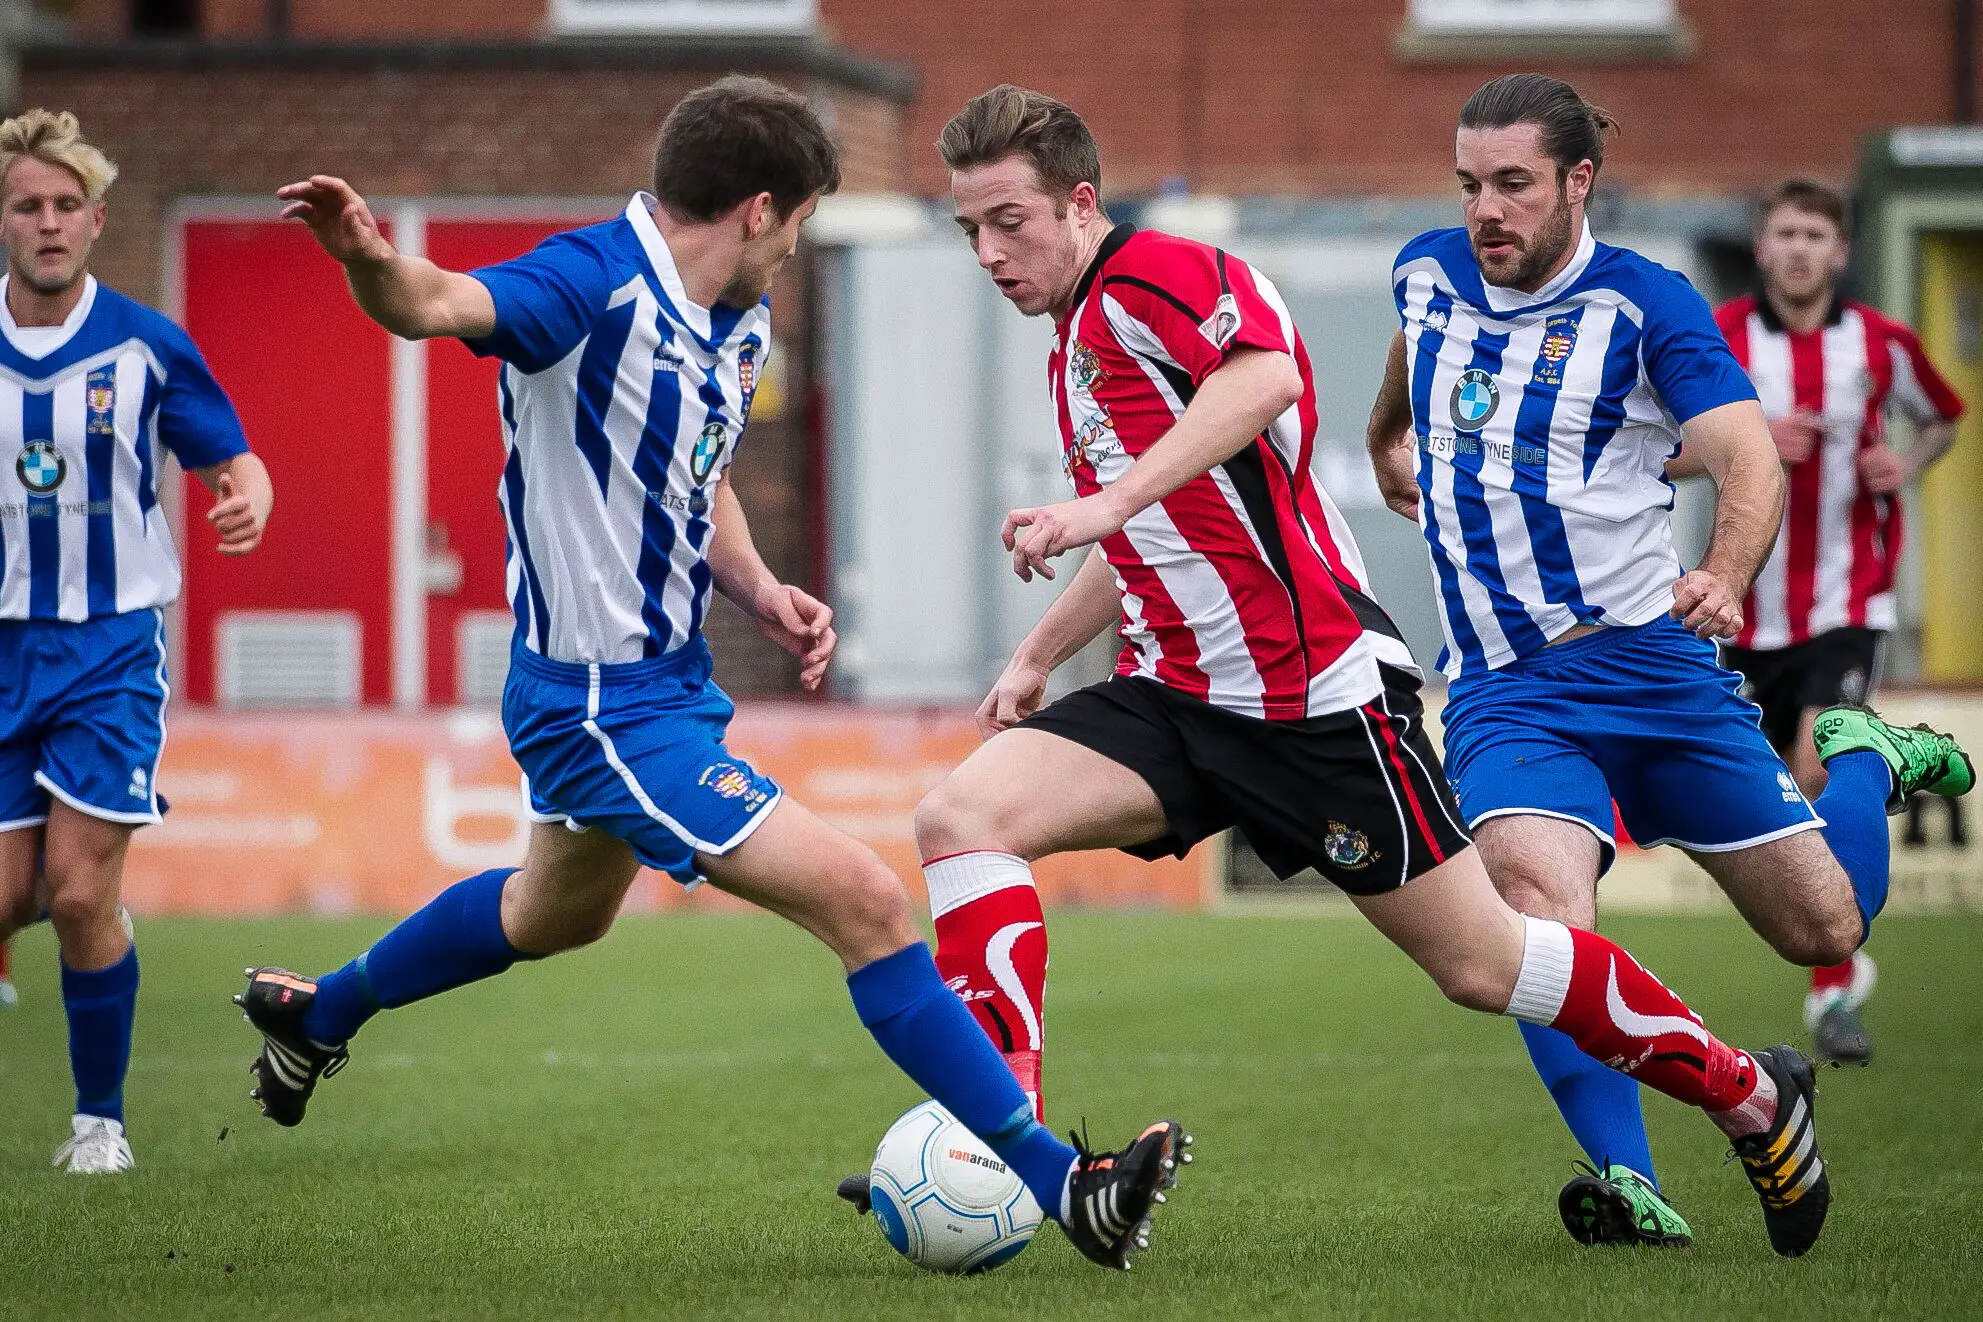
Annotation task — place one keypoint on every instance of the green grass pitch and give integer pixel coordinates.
(653, 1127)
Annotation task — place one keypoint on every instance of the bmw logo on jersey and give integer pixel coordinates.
(41, 467)
(708, 449)
(1475, 397)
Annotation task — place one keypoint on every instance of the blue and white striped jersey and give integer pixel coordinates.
(1544, 425)
(622, 402)
(83, 408)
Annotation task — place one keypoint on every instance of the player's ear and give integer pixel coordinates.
(760, 214)
(99, 212)
(1086, 202)
(1577, 184)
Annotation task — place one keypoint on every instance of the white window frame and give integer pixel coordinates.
(684, 17)
(1537, 18)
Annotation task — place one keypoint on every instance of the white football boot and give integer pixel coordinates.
(96, 1146)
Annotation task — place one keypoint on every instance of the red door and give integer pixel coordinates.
(310, 376)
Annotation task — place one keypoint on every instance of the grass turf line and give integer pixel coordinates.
(653, 1127)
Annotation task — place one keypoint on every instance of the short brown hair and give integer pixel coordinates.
(1810, 196)
(729, 141)
(1012, 121)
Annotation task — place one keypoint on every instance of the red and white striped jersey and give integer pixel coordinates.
(1243, 587)
(1833, 565)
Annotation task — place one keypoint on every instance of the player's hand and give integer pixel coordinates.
(1037, 535)
(338, 217)
(1706, 605)
(1797, 434)
(238, 519)
(802, 625)
(1881, 471)
(1397, 479)
(1017, 695)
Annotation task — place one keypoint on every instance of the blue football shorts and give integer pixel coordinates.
(634, 749)
(1644, 717)
(82, 717)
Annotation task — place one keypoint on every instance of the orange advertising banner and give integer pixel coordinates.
(375, 812)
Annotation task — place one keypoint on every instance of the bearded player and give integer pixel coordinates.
(1259, 685)
(1830, 372)
(1530, 405)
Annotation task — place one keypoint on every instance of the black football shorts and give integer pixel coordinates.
(1357, 795)
(1839, 665)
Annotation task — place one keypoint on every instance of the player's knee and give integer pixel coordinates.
(81, 908)
(951, 820)
(1821, 939)
(871, 909)
(1529, 890)
(1474, 985)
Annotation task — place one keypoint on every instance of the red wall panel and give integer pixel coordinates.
(311, 378)
(465, 446)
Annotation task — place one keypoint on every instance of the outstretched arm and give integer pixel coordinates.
(1389, 435)
(409, 296)
(1236, 402)
(797, 622)
(1732, 444)
(1087, 606)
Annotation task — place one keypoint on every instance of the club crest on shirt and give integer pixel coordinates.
(40, 467)
(708, 450)
(1559, 340)
(1347, 847)
(1085, 367)
(102, 407)
(1475, 397)
(747, 372)
(730, 781)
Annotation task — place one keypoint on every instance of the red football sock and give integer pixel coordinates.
(1583, 985)
(991, 947)
(1833, 977)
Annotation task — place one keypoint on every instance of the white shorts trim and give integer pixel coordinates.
(1473, 824)
(639, 791)
(749, 827)
(530, 810)
(1816, 823)
(22, 823)
(152, 818)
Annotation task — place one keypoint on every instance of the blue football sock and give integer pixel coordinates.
(933, 1039)
(1600, 1105)
(101, 1006)
(455, 940)
(1854, 806)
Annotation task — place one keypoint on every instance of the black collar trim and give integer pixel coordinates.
(1774, 324)
(1111, 245)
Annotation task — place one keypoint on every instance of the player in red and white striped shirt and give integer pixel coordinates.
(1830, 372)
(1259, 687)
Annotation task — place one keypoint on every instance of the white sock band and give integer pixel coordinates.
(1547, 956)
(961, 878)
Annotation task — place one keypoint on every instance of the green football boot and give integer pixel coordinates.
(1620, 1206)
(1923, 761)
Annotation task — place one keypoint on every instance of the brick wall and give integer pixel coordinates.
(1264, 96)
(1267, 96)
(242, 127)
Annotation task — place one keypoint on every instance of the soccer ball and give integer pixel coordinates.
(943, 1200)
